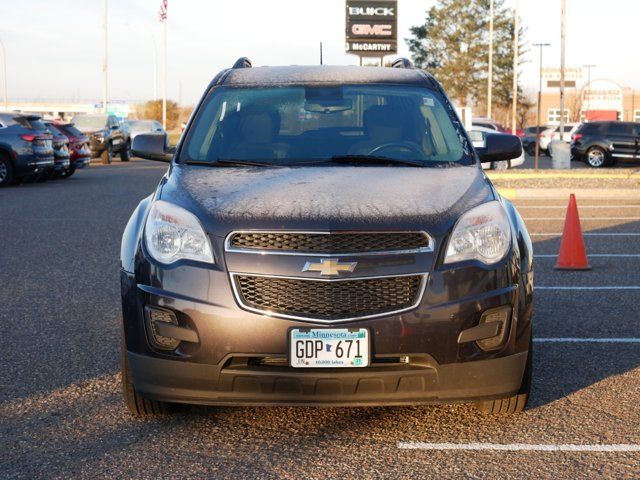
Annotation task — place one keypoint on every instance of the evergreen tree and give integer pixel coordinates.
(453, 44)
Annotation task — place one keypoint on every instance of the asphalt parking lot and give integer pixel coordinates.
(61, 413)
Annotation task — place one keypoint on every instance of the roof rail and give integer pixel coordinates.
(402, 63)
(242, 62)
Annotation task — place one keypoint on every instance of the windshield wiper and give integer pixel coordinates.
(376, 160)
(230, 162)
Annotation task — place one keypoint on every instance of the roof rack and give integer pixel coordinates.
(242, 62)
(402, 63)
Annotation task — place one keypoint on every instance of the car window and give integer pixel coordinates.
(70, 130)
(296, 124)
(619, 128)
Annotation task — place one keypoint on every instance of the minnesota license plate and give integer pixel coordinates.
(328, 347)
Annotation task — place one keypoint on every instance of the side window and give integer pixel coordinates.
(619, 128)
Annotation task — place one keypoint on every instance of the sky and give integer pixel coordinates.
(55, 49)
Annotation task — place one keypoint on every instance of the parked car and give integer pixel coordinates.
(106, 136)
(602, 144)
(353, 258)
(491, 125)
(142, 126)
(26, 149)
(569, 130)
(61, 152)
(545, 139)
(530, 137)
(78, 147)
(479, 138)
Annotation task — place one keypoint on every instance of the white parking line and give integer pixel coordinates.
(585, 340)
(550, 207)
(591, 234)
(596, 255)
(523, 447)
(580, 287)
(581, 218)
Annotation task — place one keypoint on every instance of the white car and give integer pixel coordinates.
(478, 137)
(545, 139)
(569, 130)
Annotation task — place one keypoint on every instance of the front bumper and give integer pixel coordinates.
(218, 369)
(193, 383)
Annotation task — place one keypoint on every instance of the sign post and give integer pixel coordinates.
(371, 28)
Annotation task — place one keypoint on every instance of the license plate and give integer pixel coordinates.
(328, 347)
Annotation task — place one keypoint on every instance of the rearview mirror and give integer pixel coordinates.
(499, 146)
(152, 146)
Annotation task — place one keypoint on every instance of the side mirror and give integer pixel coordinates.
(499, 146)
(152, 146)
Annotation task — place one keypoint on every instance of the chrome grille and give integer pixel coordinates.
(329, 243)
(328, 300)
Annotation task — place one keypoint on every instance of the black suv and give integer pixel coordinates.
(106, 136)
(602, 144)
(325, 236)
(26, 148)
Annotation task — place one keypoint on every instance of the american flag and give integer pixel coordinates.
(162, 14)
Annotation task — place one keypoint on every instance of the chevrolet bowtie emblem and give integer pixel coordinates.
(329, 267)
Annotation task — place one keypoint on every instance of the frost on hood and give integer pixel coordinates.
(365, 194)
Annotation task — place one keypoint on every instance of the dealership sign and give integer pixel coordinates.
(602, 95)
(372, 27)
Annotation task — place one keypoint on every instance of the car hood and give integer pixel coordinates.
(326, 198)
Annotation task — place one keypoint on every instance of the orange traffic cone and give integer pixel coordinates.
(572, 255)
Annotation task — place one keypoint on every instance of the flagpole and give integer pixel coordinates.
(164, 86)
(105, 65)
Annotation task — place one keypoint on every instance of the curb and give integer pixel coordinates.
(538, 193)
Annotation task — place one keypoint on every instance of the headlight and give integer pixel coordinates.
(483, 233)
(172, 233)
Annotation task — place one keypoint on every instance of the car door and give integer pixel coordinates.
(636, 133)
(621, 135)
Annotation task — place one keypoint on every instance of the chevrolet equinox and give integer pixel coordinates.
(325, 236)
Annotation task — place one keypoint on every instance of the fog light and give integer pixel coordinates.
(156, 315)
(500, 317)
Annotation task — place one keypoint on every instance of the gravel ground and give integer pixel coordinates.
(61, 414)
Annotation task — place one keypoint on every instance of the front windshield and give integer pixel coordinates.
(311, 124)
(90, 121)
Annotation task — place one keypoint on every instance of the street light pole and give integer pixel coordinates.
(588, 67)
(490, 73)
(105, 65)
(562, 51)
(155, 68)
(516, 40)
(537, 155)
(4, 70)
(164, 83)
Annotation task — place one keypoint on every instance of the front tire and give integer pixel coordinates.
(68, 172)
(597, 157)
(136, 404)
(516, 403)
(125, 153)
(501, 165)
(6, 172)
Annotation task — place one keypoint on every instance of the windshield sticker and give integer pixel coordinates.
(428, 102)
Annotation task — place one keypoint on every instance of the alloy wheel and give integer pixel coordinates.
(596, 158)
(4, 171)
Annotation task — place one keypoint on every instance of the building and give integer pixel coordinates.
(599, 100)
